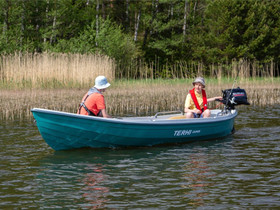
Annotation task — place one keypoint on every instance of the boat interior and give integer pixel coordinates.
(177, 115)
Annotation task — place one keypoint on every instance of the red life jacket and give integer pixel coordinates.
(192, 92)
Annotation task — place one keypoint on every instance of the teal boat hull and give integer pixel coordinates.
(63, 131)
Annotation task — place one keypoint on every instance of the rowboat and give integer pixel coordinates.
(63, 131)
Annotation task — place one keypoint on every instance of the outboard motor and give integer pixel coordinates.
(234, 97)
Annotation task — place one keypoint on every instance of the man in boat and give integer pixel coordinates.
(93, 102)
(196, 100)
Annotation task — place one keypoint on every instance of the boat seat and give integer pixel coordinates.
(177, 117)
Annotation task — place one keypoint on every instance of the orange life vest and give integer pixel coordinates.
(192, 92)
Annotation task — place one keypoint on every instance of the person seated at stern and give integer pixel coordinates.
(196, 100)
(93, 102)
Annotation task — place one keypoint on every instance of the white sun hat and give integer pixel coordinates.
(101, 82)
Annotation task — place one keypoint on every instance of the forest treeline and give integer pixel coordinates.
(159, 33)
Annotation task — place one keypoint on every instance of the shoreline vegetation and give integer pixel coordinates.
(58, 82)
(132, 98)
(52, 70)
(61, 70)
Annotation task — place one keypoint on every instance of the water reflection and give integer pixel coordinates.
(240, 171)
(93, 191)
(98, 178)
(79, 172)
(196, 174)
(91, 175)
(199, 172)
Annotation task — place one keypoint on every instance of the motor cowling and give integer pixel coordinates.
(234, 97)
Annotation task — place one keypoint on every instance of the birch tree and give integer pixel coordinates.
(148, 28)
(185, 20)
(137, 22)
(97, 20)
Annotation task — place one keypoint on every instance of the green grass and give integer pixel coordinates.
(208, 81)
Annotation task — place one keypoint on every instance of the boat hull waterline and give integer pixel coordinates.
(63, 131)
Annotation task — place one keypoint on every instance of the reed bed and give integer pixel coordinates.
(48, 70)
(57, 70)
(188, 69)
(132, 98)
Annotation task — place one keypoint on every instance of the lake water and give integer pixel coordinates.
(239, 171)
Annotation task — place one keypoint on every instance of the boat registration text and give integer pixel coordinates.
(185, 132)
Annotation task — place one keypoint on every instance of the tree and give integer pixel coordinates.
(113, 42)
(167, 30)
(242, 29)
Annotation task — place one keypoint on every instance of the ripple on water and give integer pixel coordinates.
(239, 171)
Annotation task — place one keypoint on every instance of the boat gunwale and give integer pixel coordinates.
(149, 120)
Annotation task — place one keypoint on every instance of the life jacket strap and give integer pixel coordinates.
(192, 92)
(85, 107)
(91, 91)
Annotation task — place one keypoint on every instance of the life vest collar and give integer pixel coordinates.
(93, 90)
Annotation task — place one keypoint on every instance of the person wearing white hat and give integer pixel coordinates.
(196, 100)
(93, 102)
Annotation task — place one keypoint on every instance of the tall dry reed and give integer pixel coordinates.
(188, 69)
(53, 70)
(132, 99)
(50, 70)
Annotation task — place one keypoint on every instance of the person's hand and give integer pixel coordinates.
(197, 111)
(218, 98)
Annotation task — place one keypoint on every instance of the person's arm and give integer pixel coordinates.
(197, 111)
(104, 114)
(214, 98)
(101, 106)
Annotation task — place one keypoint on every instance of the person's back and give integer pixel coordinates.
(93, 102)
